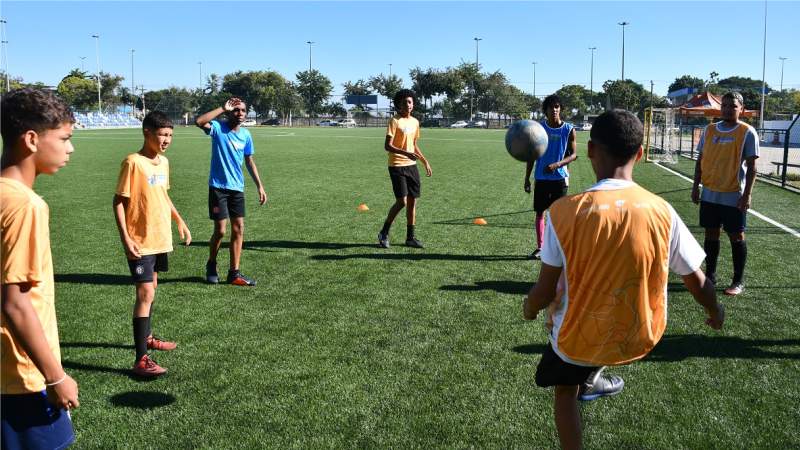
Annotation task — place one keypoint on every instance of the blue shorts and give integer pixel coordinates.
(730, 218)
(31, 422)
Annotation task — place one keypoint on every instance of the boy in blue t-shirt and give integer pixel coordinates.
(230, 146)
(552, 176)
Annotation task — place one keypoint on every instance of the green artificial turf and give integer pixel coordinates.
(343, 344)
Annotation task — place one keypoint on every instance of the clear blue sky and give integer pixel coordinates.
(359, 39)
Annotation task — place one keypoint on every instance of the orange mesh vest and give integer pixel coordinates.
(616, 245)
(722, 158)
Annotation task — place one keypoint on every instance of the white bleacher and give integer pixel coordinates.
(94, 120)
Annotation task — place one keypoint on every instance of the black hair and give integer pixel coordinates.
(551, 100)
(155, 120)
(620, 132)
(733, 95)
(401, 95)
(31, 109)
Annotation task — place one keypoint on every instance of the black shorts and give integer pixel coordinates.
(730, 218)
(545, 192)
(142, 269)
(225, 203)
(405, 181)
(554, 371)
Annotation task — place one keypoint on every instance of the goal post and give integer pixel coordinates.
(661, 135)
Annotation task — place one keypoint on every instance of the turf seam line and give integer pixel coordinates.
(755, 213)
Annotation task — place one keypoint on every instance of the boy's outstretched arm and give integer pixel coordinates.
(251, 167)
(703, 292)
(26, 328)
(129, 245)
(543, 292)
(183, 229)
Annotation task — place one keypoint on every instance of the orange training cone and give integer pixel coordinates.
(363, 207)
(479, 221)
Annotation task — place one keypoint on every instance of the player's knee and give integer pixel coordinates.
(400, 202)
(145, 292)
(712, 234)
(736, 237)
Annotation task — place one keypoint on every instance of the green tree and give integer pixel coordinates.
(79, 93)
(314, 88)
(360, 87)
(287, 100)
(173, 100)
(573, 97)
(687, 81)
(14, 82)
(748, 87)
(258, 88)
(626, 94)
(386, 86)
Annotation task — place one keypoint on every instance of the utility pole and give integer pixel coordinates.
(200, 63)
(82, 58)
(477, 70)
(763, 71)
(4, 51)
(133, 85)
(782, 61)
(534, 79)
(623, 24)
(591, 81)
(97, 55)
(310, 43)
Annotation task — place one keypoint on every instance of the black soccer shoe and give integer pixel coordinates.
(414, 242)
(211, 273)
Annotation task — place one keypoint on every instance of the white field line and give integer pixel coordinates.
(755, 213)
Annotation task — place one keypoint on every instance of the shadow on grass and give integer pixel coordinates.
(116, 279)
(673, 191)
(468, 220)
(680, 347)
(679, 287)
(503, 287)
(114, 370)
(421, 257)
(94, 345)
(142, 400)
(751, 230)
(264, 245)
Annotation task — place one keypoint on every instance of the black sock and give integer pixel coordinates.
(140, 326)
(739, 251)
(385, 229)
(409, 232)
(712, 253)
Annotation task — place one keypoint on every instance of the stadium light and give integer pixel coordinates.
(534, 79)
(133, 86)
(477, 69)
(200, 63)
(4, 51)
(591, 81)
(623, 24)
(390, 71)
(310, 44)
(82, 58)
(782, 61)
(763, 71)
(97, 54)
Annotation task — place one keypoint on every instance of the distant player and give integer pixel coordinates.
(552, 176)
(726, 166)
(36, 392)
(402, 134)
(231, 144)
(143, 209)
(604, 275)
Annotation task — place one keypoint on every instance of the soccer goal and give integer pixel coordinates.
(661, 135)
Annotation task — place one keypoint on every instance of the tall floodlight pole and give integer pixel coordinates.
(133, 86)
(782, 61)
(534, 78)
(4, 52)
(82, 59)
(477, 69)
(310, 44)
(763, 71)
(97, 55)
(591, 80)
(623, 24)
(200, 63)
(390, 71)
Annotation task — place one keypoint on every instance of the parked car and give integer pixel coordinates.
(586, 126)
(347, 123)
(476, 124)
(249, 123)
(327, 123)
(273, 122)
(459, 124)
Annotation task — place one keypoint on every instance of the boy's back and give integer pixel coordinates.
(24, 218)
(618, 242)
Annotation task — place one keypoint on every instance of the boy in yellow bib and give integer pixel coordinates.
(726, 166)
(605, 261)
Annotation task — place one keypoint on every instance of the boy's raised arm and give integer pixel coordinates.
(203, 120)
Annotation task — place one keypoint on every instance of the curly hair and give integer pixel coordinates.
(551, 100)
(402, 94)
(32, 109)
(620, 132)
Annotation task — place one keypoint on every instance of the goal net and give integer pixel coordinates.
(661, 135)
